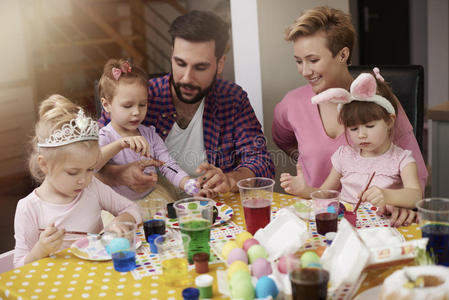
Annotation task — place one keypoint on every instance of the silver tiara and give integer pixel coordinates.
(79, 129)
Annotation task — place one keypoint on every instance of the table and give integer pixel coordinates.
(64, 276)
(440, 143)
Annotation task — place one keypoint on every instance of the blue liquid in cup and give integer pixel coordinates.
(438, 235)
(124, 261)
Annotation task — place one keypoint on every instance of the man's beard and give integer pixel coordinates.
(201, 93)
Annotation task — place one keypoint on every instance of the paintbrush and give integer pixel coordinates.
(366, 187)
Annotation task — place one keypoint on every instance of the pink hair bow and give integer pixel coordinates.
(116, 73)
(363, 88)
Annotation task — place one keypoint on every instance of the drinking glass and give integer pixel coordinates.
(195, 220)
(326, 205)
(154, 212)
(307, 283)
(433, 214)
(121, 244)
(172, 250)
(256, 195)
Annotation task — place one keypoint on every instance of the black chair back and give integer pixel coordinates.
(407, 83)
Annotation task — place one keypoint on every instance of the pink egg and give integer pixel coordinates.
(282, 263)
(237, 254)
(248, 243)
(261, 267)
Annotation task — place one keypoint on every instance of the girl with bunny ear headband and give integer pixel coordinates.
(368, 113)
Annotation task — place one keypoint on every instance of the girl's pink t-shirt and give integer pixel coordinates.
(356, 170)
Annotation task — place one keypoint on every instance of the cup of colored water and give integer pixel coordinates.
(172, 251)
(154, 212)
(195, 220)
(326, 206)
(121, 245)
(433, 214)
(256, 195)
(308, 280)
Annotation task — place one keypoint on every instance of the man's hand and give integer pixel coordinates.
(214, 179)
(134, 177)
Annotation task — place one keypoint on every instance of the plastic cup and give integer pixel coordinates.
(326, 206)
(307, 283)
(154, 213)
(172, 250)
(256, 195)
(195, 220)
(433, 214)
(121, 244)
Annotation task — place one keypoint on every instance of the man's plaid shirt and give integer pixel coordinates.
(233, 136)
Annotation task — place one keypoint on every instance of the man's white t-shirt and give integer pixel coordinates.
(186, 146)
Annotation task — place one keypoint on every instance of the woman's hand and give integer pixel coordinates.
(295, 185)
(50, 240)
(136, 143)
(398, 216)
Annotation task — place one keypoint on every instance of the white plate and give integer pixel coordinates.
(91, 248)
(370, 294)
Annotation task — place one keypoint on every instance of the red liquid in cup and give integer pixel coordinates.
(257, 214)
(326, 222)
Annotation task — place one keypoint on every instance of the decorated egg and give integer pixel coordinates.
(237, 254)
(242, 237)
(255, 252)
(248, 243)
(266, 287)
(261, 267)
(241, 287)
(227, 248)
(310, 259)
(236, 266)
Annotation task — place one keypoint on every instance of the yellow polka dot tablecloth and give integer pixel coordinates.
(65, 276)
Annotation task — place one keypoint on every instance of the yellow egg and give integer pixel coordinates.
(242, 237)
(235, 266)
(228, 247)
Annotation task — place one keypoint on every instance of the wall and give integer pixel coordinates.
(279, 74)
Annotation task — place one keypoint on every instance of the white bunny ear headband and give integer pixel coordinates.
(363, 88)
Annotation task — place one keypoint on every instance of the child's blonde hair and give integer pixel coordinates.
(54, 112)
(129, 73)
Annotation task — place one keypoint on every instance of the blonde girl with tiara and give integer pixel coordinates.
(124, 96)
(368, 119)
(69, 199)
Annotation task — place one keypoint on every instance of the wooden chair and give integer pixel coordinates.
(6, 261)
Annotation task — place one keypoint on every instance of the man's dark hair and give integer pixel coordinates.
(201, 26)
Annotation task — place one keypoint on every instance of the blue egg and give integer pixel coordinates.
(266, 287)
(117, 245)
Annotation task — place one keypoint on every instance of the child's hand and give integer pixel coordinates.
(50, 240)
(375, 196)
(294, 185)
(136, 143)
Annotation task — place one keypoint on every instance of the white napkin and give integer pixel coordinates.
(346, 258)
(285, 234)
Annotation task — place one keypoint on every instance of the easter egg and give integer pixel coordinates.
(117, 245)
(286, 259)
(248, 243)
(309, 258)
(227, 248)
(261, 267)
(236, 266)
(237, 254)
(240, 275)
(266, 287)
(241, 288)
(242, 237)
(255, 252)
(282, 265)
